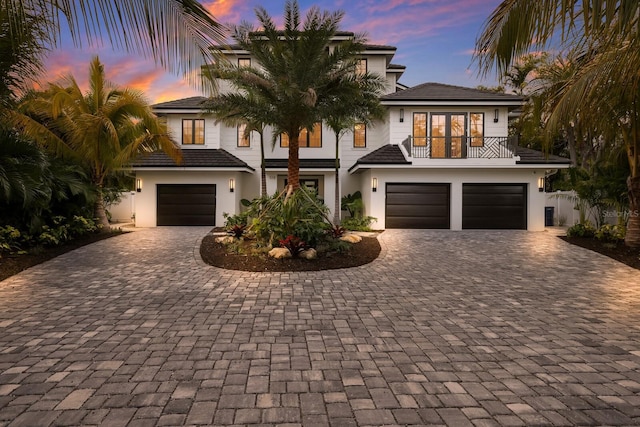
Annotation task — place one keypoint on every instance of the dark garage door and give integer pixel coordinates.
(494, 206)
(417, 206)
(193, 204)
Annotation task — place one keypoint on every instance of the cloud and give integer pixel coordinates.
(227, 10)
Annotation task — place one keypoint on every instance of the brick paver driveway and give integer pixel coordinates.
(449, 328)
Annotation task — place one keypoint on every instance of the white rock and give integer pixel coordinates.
(225, 239)
(351, 238)
(279, 253)
(308, 254)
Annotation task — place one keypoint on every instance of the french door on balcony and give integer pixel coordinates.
(448, 131)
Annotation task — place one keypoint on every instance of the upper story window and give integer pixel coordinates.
(305, 138)
(476, 129)
(243, 140)
(244, 62)
(420, 129)
(361, 67)
(360, 135)
(193, 131)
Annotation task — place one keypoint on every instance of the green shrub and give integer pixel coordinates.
(10, 239)
(302, 215)
(358, 224)
(581, 230)
(610, 233)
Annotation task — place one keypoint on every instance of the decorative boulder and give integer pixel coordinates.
(351, 238)
(308, 254)
(225, 239)
(279, 253)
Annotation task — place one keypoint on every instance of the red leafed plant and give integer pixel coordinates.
(294, 244)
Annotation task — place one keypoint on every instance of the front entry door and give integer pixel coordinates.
(448, 135)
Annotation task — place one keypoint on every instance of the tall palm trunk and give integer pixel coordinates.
(632, 237)
(100, 212)
(263, 169)
(336, 214)
(293, 174)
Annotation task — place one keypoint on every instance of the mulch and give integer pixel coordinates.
(618, 251)
(217, 254)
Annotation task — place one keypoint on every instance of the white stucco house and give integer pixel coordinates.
(441, 159)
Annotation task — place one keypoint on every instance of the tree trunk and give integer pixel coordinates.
(293, 166)
(263, 169)
(571, 142)
(100, 213)
(632, 237)
(336, 214)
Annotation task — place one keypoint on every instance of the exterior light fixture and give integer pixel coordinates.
(496, 115)
(374, 184)
(138, 185)
(232, 185)
(541, 184)
(401, 115)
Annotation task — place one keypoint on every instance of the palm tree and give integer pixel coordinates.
(354, 109)
(605, 89)
(302, 75)
(103, 129)
(177, 34)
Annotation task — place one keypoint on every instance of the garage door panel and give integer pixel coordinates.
(417, 199)
(417, 205)
(494, 206)
(186, 204)
(417, 211)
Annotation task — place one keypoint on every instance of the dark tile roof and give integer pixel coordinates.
(192, 158)
(529, 156)
(304, 163)
(443, 92)
(385, 155)
(396, 67)
(195, 102)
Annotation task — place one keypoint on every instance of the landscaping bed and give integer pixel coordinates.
(219, 255)
(11, 264)
(617, 251)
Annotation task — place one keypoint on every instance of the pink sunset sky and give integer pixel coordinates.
(434, 40)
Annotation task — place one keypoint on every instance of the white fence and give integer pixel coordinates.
(125, 210)
(564, 212)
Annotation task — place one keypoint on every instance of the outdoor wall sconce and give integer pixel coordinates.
(496, 115)
(541, 184)
(401, 115)
(374, 184)
(138, 185)
(232, 185)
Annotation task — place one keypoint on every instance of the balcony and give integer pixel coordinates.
(460, 147)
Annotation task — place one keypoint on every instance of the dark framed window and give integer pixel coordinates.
(243, 140)
(360, 135)
(311, 139)
(361, 67)
(476, 129)
(193, 131)
(244, 62)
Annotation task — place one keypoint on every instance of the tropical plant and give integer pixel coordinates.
(103, 129)
(276, 217)
(604, 90)
(303, 75)
(353, 204)
(358, 223)
(357, 109)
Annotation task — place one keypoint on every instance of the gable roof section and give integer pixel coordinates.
(438, 93)
(192, 158)
(192, 104)
(386, 155)
(529, 156)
